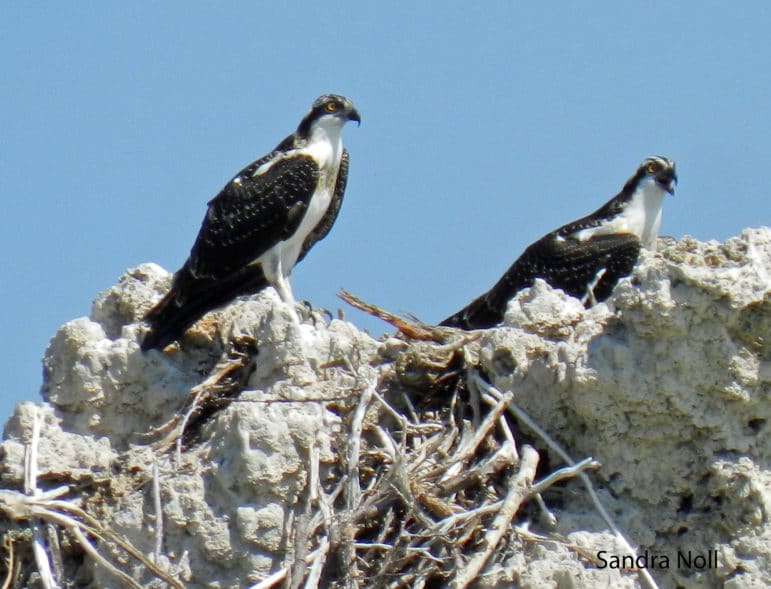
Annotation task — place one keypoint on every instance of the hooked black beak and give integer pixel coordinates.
(353, 115)
(667, 179)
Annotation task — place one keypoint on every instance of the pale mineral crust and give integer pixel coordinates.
(667, 384)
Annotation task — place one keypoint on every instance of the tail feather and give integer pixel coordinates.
(190, 299)
(480, 313)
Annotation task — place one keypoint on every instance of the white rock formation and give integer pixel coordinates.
(667, 384)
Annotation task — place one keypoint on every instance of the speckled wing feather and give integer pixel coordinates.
(565, 263)
(246, 218)
(251, 214)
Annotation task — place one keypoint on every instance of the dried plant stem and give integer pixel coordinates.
(468, 449)
(76, 522)
(278, 577)
(93, 553)
(227, 378)
(412, 329)
(568, 472)
(9, 561)
(158, 507)
(314, 576)
(493, 396)
(518, 490)
(30, 488)
(354, 446)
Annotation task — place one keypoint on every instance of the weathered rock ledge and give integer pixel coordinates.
(667, 384)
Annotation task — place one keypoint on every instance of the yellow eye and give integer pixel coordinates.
(653, 168)
(331, 107)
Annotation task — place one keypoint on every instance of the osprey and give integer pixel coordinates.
(262, 223)
(587, 257)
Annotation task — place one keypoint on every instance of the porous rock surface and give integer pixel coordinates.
(667, 384)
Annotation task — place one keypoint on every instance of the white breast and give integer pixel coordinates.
(641, 216)
(325, 146)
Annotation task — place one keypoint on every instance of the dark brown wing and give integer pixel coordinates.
(568, 264)
(251, 214)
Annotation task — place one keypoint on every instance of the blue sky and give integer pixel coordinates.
(483, 128)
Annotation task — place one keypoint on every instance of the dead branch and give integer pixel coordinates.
(493, 395)
(227, 379)
(78, 524)
(411, 328)
(518, 490)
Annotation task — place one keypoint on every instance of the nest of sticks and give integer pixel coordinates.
(428, 500)
(430, 482)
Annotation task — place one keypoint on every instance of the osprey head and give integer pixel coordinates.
(661, 170)
(328, 109)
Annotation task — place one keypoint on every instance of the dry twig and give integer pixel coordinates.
(8, 546)
(30, 488)
(493, 396)
(75, 521)
(412, 329)
(518, 489)
(226, 380)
